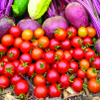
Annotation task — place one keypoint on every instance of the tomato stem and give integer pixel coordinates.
(70, 33)
(42, 65)
(84, 86)
(1, 53)
(33, 39)
(0, 91)
(40, 45)
(9, 70)
(24, 64)
(2, 63)
(22, 96)
(11, 55)
(91, 59)
(57, 57)
(56, 31)
(70, 78)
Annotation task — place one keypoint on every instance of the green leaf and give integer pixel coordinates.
(84, 86)
(94, 40)
(98, 80)
(42, 65)
(70, 78)
(88, 44)
(56, 31)
(91, 59)
(22, 96)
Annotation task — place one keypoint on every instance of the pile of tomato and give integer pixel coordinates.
(52, 64)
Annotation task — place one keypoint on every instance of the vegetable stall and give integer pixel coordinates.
(49, 49)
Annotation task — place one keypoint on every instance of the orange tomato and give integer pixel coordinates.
(35, 43)
(59, 54)
(39, 32)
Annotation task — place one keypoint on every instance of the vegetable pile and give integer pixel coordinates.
(48, 47)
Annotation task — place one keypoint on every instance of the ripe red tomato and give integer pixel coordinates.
(3, 50)
(15, 31)
(21, 87)
(71, 32)
(67, 55)
(39, 79)
(59, 54)
(62, 66)
(54, 90)
(77, 84)
(40, 66)
(71, 51)
(41, 91)
(80, 73)
(9, 69)
(49, 56)
(30, 71)
(74, 66)
(25, 46)
(4, 82)
(16, 63)
(13, 54)
(66, 44)
(5, 59)
(26, 58)
(54, 65)
(35, 43)
(64, 80)
(52, 76)
(87, 40)
(15, 78)
(2, 63)
(78, 53)
(48, 67)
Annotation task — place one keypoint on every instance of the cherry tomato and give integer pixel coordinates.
(64, 80)
(15, 78)
(93, 85)
(25, 46)
(3, 50)
(77, 84)
(67, 55)
(76, 41)
(2, 63)
(35, 43)
(9, 69)
(40, 66)
(48, 67)
(13, 54)
(87, 49)
(54, 90)
(54, 44)
(74, 66)
(39, 32)
(17, 42)
(15, 31)
(60, 34)
(26, 58)
(41, 91)
(21, 87)
(5, 59)
(66, 44)
(87, 41)
(52, 76)
(7, 40)
(81, 73)
(30, 71)
(37, 53)
(82, 32)
(4, 82)
(54, 65)
(49, 56)
(39, 79)
(91, 32)
(71, 51)
(59, 54)
(62, 66)
(78, 53)
(16, 63)
(71, 32)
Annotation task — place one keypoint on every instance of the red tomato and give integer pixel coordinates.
(3, 50)
(13, 54)
(15, 31)
(2, 63)
(49, 56)
(54, 65)
(77, 84)
(87, 49)
(5, 59)
(52, 76)
(54, 91)
(41, 91)
(48, 67)
(4, 82)
(78, 53)
(71, 32)
(66, 44)
(71, 51)
(80, 73)
(16, 63)
(35, 43)
(21, 87)
(67, 55)
(59, 54)
(64, 80)
(40, 66)
(15, 78)
(39, 79)
(9, 69)
(87, 40)
(25, 46)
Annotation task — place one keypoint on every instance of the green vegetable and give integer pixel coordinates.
(19, 7)
(36, 8)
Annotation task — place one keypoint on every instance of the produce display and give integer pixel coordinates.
(49, 49)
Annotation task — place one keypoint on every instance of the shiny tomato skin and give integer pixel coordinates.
(53, 91)
(78, 53)
(60, 54)
(15, 78)
(3, 48)
(66, 44)
(67, 55)
(71, 51)
(52, 76)
(30, 71)
(54, 65)
(77, 84)
(87, 40)
(62, 66)
(40, 66)
(39, 79)
(16, 63)
(64, 80)
(21, 87)
(35, 43)
(4, 82)
(2, 63)
(26, 57)
(41, 91)
(49, 56)
(5, 59)
(13, 54)
(93, 86)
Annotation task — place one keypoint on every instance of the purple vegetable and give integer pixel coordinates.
(28, 24)
(52, 23)
(97, 46)
(76, 14)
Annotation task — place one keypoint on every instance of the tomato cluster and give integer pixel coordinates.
(52, 64)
